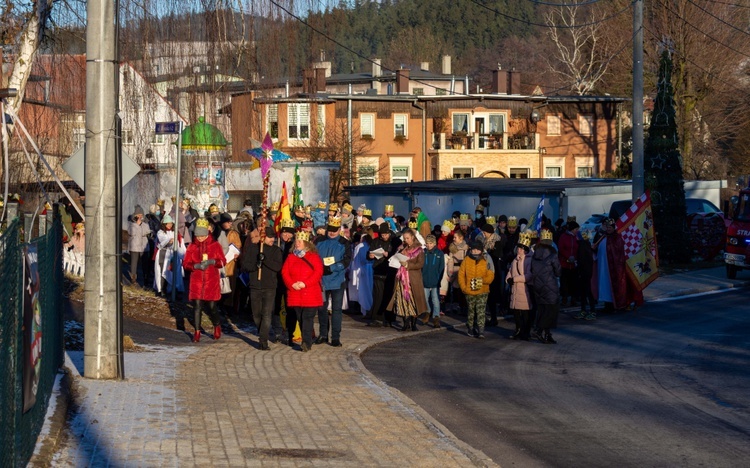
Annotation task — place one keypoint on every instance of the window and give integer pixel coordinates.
(400, 125)
(127, 137)
(399, 174)
(519, 173)
(440, 92)
(497, 123)
(273, 120)
(583, 172)
(462, 172)
(365, 175)
(553, 172)
(367, 125)
(586, 124)
(418, 91)
(299, 121)
(79, 138)
(157, 139)
(553, 125)
(460, 123)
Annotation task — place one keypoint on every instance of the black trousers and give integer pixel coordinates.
(378, 300)
(306, 317)
(568, 283)
(212, 313)
(262, 301)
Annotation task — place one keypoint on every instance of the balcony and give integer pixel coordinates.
(482, 142)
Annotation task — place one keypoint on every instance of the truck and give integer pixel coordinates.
(736, 253)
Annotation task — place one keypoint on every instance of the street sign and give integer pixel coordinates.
(75, 167)
(167, 128)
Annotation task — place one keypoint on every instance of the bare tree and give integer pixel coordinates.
(583, 47)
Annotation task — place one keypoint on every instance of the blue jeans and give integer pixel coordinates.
(337, 301)
(433, 301)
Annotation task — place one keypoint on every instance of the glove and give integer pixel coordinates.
(510, 281)
(209, 262)
(199, 266)
(261, 257)
(327, 270)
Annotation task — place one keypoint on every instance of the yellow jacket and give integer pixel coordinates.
(470, 269)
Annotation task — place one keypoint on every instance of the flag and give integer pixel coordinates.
(535, 223)
(284, 211)
(297, 196)
(636, 227)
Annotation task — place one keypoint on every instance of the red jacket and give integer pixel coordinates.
(309, 270)
(567, 247)
(204, 284)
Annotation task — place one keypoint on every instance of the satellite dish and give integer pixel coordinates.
(535, 116)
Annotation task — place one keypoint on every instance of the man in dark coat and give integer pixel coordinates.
(263, 290)
(383, 276)
(545, 266)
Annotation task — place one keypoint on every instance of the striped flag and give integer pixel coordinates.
(535, 222)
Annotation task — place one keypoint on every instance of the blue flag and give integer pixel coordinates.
(536, 219)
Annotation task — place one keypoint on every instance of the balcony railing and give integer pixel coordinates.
(483, 141)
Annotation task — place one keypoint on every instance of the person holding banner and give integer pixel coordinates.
(614, 288)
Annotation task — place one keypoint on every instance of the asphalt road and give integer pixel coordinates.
(665, 386)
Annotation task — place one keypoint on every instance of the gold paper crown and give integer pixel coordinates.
(160, 202)
(275, 206)
(525, 239)
(490, 220)
(412, 224)
(321, 205)
(532, 234)
(213, 209)
(571, 219)
(546, 235)
(512, 221)
(388, 208)
(299, 208)
(302, 235)
(287, 223)
(334, 221)
(202, 223)
(308, 209)
(348, 207)
(585, 235)
(480, 208)
(449, 224)
(80, 227)
(367, 212)
(333, 207)
(464, 217)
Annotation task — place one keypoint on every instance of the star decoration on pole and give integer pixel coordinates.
(658, 162)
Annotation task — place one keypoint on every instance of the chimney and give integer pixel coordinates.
(515, 82)
(402, 81)
(500, 81)
(320, 80)
(308, 81)
(323, 63)
(376, 67)
(446, 65)
(424, 66)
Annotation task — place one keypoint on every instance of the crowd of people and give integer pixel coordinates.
(397, 271)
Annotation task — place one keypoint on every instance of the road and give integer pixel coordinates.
(665, 386)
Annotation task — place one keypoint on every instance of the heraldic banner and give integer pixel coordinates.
(636, 227)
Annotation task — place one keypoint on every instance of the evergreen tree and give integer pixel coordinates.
(663, 172)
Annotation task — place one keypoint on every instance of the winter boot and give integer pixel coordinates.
(217, 332)
(436, 322)
(548, 338)
(414, 324)
(406, 325)
(197, 336)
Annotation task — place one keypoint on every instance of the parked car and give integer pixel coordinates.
(693, 205)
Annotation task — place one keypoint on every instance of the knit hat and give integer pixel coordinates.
(502, 219)
(167, 219)
(477, 245)
(138, 210)
(573, 225)
(225, 218)
(430, 239)
(488, 228)
(201, 227)
(270, 232)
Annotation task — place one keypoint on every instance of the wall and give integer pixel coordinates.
(481, 162)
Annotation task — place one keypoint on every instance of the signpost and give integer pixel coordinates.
(174, 128)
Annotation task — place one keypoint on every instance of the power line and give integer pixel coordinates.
(703, 32)
(731, 4)
(719, 19)
(544, 25)
(575, 4)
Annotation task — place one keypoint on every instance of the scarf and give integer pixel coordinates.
(403, 274)
(300, 253)
(489, 242)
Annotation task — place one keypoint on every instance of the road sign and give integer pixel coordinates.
(75, 167)
(167, 128)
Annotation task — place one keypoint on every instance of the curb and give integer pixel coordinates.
(55, 421)
(354, 359)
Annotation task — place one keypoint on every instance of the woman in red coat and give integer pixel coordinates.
(204, 258)
(302, 273)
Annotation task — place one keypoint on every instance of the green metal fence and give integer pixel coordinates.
(19, 430)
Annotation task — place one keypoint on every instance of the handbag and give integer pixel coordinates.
(224, 284)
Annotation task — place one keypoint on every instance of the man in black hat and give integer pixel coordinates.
(383, 276)
(263, 290)
(285, 242)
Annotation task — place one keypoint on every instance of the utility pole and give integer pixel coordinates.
(102, 332)
(638, 181)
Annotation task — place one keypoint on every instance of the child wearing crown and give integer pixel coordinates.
(545, 265)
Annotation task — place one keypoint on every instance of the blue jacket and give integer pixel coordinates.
(434, 265)
(334, 276)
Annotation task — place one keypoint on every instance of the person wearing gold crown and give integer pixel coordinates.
(383, 276)
(263, 265)
(336, 255)
(474, 277)
(546, 268)
(302, 273)
(519, 278)
(285, 242)
(446, 236)
(614, 288)
(389, 215)
(204, 258)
